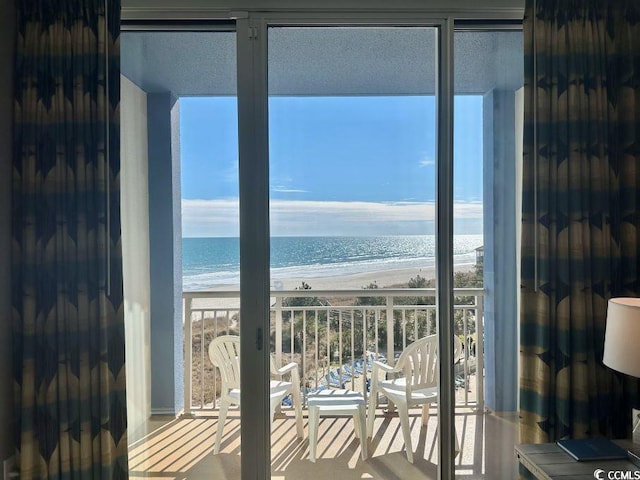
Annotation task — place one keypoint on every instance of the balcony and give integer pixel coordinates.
(330, 331)
(182, 449)
(329, 338)
(333, 335)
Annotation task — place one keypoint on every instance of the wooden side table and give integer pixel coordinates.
(547, 461)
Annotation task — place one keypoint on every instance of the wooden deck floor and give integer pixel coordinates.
(182, 449)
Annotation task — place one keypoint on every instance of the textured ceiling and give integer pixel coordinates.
(323, 61)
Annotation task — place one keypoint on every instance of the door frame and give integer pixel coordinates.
(252, 53)
(253, 118)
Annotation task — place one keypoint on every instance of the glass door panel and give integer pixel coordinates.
(211, 251)
(352, 154)
(179, 125)
(488, 76)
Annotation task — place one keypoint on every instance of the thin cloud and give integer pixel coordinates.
(427, 161)
(299, 217)
(289, 190)
(210, 218)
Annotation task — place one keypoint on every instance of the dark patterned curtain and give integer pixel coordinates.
(581, 212)
(67, 295)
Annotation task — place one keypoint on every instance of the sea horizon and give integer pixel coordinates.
(213, 262)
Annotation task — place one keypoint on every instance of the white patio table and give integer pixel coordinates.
(337, 402)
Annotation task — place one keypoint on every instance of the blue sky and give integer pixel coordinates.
(338, 165)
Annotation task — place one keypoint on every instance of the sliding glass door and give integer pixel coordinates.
(357, 188)
(341, 228)
(352, 114)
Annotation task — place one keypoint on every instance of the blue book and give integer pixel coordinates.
(589, 449)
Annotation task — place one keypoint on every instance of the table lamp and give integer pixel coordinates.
(622, 344)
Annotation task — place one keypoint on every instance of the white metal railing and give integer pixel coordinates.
(328, 332)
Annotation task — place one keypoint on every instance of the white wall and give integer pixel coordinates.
(135, 253)
(7, 32)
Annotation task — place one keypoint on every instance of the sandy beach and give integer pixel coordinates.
(383, 278)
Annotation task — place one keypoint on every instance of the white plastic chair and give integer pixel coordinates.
(224, 353)
(290, 369)
(418, 385)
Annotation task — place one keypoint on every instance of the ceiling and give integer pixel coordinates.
(324, 61)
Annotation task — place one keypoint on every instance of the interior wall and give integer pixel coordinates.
(7, 43)
(135, 253)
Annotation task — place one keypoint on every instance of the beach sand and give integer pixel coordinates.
(397, 278)
(383, 278)
(356, 281)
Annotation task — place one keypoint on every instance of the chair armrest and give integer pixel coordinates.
(383, 366)
(387, 369)
(289, 368)
(286, 369)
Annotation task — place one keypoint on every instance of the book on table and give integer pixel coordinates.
(591, 449)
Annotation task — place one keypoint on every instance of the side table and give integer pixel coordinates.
(336, 402)
(547, 461)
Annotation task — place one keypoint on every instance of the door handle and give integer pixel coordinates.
(259, 339)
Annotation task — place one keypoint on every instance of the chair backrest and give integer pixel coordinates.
(272, 365)
(457, 349)
(419, 362)
(224, 353)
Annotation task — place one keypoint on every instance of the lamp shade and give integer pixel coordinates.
(622, 336)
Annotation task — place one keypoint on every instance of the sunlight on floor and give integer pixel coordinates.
(180, 449)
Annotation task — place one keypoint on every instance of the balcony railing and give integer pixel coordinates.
(333, 335)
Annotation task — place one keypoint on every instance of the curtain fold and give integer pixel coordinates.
(68, 320)
(581, 213)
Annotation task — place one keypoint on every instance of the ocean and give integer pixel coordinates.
(215, 262)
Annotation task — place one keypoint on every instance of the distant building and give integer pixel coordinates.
(480, 255)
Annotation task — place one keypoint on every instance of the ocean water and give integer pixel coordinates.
(214, 262)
